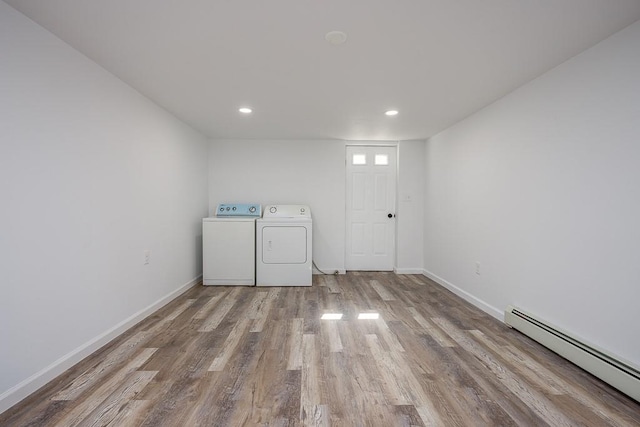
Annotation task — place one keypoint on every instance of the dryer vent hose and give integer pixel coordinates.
(323, 272)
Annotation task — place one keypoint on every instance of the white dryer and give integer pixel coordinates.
(283, 246)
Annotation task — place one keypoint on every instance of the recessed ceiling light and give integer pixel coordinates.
(245, 110)
(335, 37)
(391, 112)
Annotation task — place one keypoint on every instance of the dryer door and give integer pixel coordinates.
(284, 244)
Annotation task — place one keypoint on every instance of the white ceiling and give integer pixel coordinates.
(436, 61)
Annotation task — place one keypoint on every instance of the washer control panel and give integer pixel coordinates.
(239, 209)
(287, 211)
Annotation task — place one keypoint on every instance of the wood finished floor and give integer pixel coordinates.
(234, 356)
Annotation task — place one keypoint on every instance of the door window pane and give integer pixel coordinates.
(359, 159)
(381, 160)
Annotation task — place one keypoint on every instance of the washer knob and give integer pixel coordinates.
(273, 209)
(221, 209)
(252, 209)
(228, 208)
(234, 208)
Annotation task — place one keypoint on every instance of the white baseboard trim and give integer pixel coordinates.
(482, 305)
(29, 386)
(408, 270)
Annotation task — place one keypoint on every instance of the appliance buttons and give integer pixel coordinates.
(234, 208)
(273, 209)
(228, 208)
(252, 209)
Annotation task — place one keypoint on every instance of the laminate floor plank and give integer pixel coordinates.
(331, 284)
(108, 410)
(92, 411)
(311, 313)
(105, 367)
(535, 373)
(382, 291)
(405, 352)
(431, 329)
(219, 403)
(179, 381)
(295, 334)
(206, 309)
(337, 389)
(497, 399)
(329, 330)
(278, 404)
(264, 310)
(93, 398)
(528, 394)
(229, 348)
(220, 311)
(310, 394)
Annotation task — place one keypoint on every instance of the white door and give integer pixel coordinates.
(371, 196)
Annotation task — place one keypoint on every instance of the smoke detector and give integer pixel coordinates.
(335, 37)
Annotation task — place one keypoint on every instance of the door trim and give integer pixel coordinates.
(391, 144)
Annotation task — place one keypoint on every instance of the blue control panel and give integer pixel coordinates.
(239, 209)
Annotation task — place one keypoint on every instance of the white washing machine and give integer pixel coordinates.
(229, 245)
(283, 246)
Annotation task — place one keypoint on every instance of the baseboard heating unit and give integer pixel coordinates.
(618, 373)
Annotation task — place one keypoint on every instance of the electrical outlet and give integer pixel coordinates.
(147, 256)
(478, 268)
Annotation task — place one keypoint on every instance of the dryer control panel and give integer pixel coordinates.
(239, 209)
(287, 211)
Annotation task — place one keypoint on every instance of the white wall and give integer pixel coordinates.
(91, 175)
(313, 173)
(410, 207)
(542, 189)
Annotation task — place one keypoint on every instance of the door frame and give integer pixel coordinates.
(392, 144)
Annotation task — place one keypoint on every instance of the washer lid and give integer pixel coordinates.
(287, 211)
